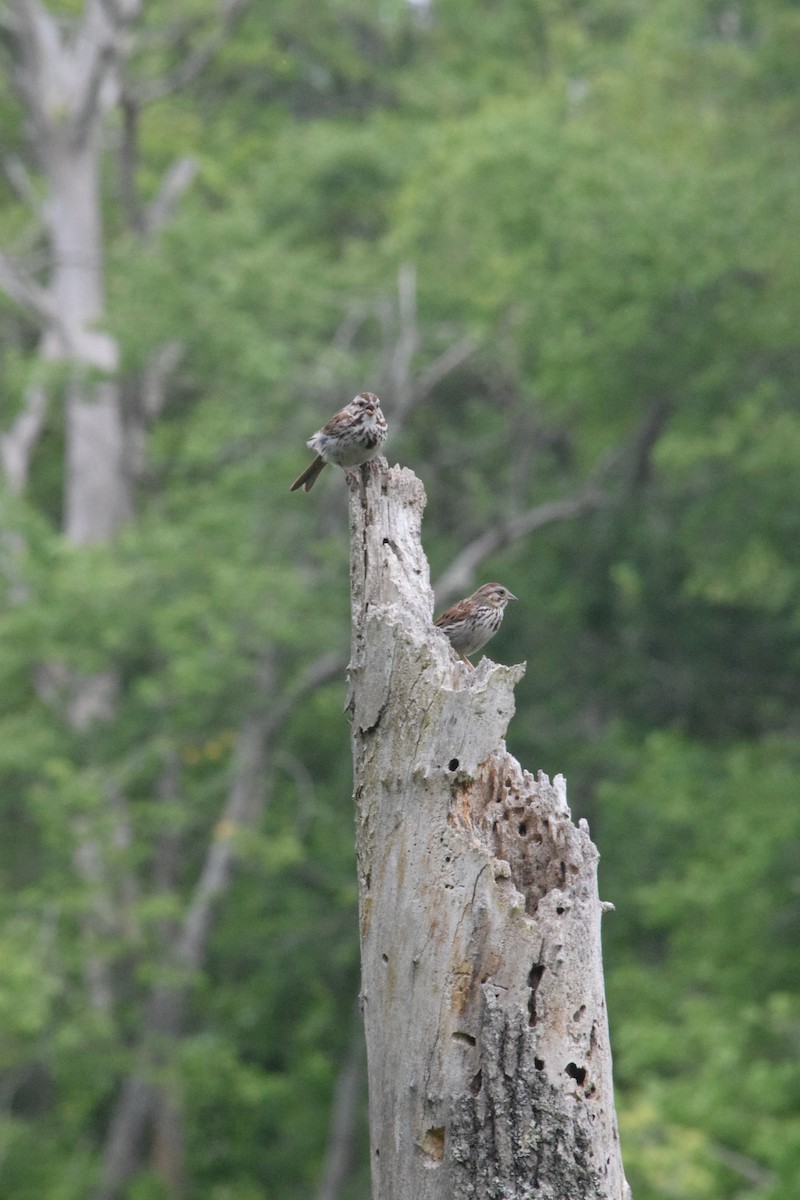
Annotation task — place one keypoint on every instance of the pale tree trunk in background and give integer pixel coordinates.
(69, 82)
(487, 1042)
(69, 73)
(68, 77)
(97, 491)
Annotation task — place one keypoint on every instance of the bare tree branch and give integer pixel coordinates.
(406, 342)
(344, 1115)
(128, 155)
(169, 1145)
(122, 12)
(20, 179)
(747, 1168)
(639, 454)
(175, 182)
(460, 575)
(140, 1098)
(349, 326)
(406, 390)
(96, 922)
(162, 363)
(60, 75)
(12, 569)
(177, 178)
(629, 463)
(39, 45)
(245, 800)
(18, 443)
(96, 50)
(23, 289)
(196, 62)
(447, 362)
(99, 46)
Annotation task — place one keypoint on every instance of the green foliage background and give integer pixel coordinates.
(604, 195)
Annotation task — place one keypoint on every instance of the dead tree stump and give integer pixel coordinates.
(482, 983)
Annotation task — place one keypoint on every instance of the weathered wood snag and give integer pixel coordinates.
(482, 984)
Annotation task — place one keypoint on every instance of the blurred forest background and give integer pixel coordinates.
(560, 239)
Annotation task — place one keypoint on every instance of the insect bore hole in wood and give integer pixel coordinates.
(534, 979)
(575, 1072)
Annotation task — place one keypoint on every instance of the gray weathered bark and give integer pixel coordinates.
(487, 1042)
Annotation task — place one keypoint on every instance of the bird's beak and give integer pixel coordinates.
(511, 596)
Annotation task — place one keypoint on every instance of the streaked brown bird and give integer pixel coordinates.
(470, 623)
(352, 437)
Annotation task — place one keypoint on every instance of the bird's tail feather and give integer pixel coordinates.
(307, 480)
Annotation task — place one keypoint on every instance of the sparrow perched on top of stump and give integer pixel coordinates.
(352, 437)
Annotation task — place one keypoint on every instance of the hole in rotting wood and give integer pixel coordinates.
(539, 1064)
(576, 1016)
(476, 1083)
(575, 1072)
(453, 765)
(385, 957)
(522, 829)
(433, 1145)
(534, 979)
(466, 1038)
(560, 909)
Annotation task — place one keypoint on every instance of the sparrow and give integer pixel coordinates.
(471, 622)
(352, 437)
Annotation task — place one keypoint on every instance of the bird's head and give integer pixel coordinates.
(367, 402)
(494, 593)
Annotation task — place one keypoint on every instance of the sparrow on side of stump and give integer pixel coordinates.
(470, 623)
(352, 437)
